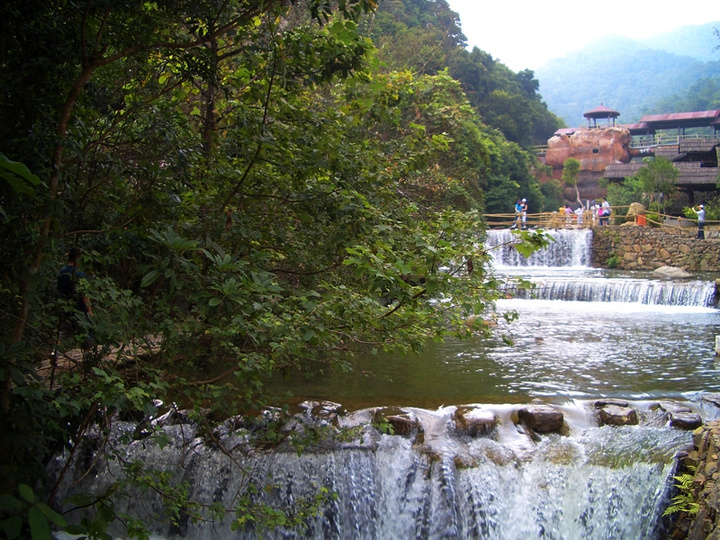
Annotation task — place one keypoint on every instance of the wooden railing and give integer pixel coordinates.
(588, 219)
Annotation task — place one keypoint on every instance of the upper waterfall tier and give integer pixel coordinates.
(571, 248)
(562, 271)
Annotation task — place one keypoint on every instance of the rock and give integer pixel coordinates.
(595, 149)
(671, 272)
(541, 418)
(322, 409)
(711, 397)
(672, 407)
(636, 209)
(403, 422)
(600, 403)
(612, 415)
(685, 420)
(474, 421)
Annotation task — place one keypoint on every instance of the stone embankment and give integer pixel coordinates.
(702, 462)
(631, 247)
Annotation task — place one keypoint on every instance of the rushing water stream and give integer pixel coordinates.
(581, 335)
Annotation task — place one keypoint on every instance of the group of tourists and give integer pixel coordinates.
(602, 210)
(599, 210)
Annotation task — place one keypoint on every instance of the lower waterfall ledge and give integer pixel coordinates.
(474, 471)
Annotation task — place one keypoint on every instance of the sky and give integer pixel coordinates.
(525, 34)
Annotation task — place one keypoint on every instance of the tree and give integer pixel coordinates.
(570, 173)
(657, 179)
(98, 102)
(251, 195)
(627, 192)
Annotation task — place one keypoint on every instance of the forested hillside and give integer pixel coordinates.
(254, 185)
(635, 77)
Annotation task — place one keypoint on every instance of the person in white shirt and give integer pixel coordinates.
(701, 221)
(605, 219)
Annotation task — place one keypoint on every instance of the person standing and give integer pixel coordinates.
(523, 208)
(518, 215)
(701, 221)
(76, 311)
(605, 220)
(593, 211)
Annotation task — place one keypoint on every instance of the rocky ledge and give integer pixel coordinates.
(702, 464)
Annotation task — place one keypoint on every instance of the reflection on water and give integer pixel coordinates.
(559, 349)
(609, 349)
(584, 333)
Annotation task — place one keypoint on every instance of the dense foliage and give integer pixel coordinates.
(426, 38)
(703, 95)
(252, 188)
(652, 185)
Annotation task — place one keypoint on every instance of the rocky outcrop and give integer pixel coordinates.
(613, 415)
(672, 272)
(403, 422)
(594, 148)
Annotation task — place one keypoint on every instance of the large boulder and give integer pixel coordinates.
(636, 209)
(685, 420)
(595, 148)
(402, 422)
(671, 272)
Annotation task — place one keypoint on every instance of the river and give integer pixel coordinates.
(584, 334)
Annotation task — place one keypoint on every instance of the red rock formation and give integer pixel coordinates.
(594, 148)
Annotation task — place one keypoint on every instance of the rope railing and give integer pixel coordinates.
(589, 219)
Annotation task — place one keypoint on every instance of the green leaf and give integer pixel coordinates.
(75, 530)
(26, 493)
(52, 515)
(150, 277)
(10, 504)
(12, 527)
(215, 301)
(39, 527)
(18, 176)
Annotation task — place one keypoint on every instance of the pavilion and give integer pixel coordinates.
(599, 113)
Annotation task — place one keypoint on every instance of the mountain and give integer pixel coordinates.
(698, 42)
(629, 75)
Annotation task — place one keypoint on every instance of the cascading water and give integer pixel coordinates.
(436, 482)
(580, 336)
(569, 249)
(562, 272)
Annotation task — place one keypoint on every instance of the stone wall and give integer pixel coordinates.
(702, 463)
(632, 247)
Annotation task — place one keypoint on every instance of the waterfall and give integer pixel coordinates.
(570, 248)
(440, 481)
(567, 276)
(649, 292)
(591, 482)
